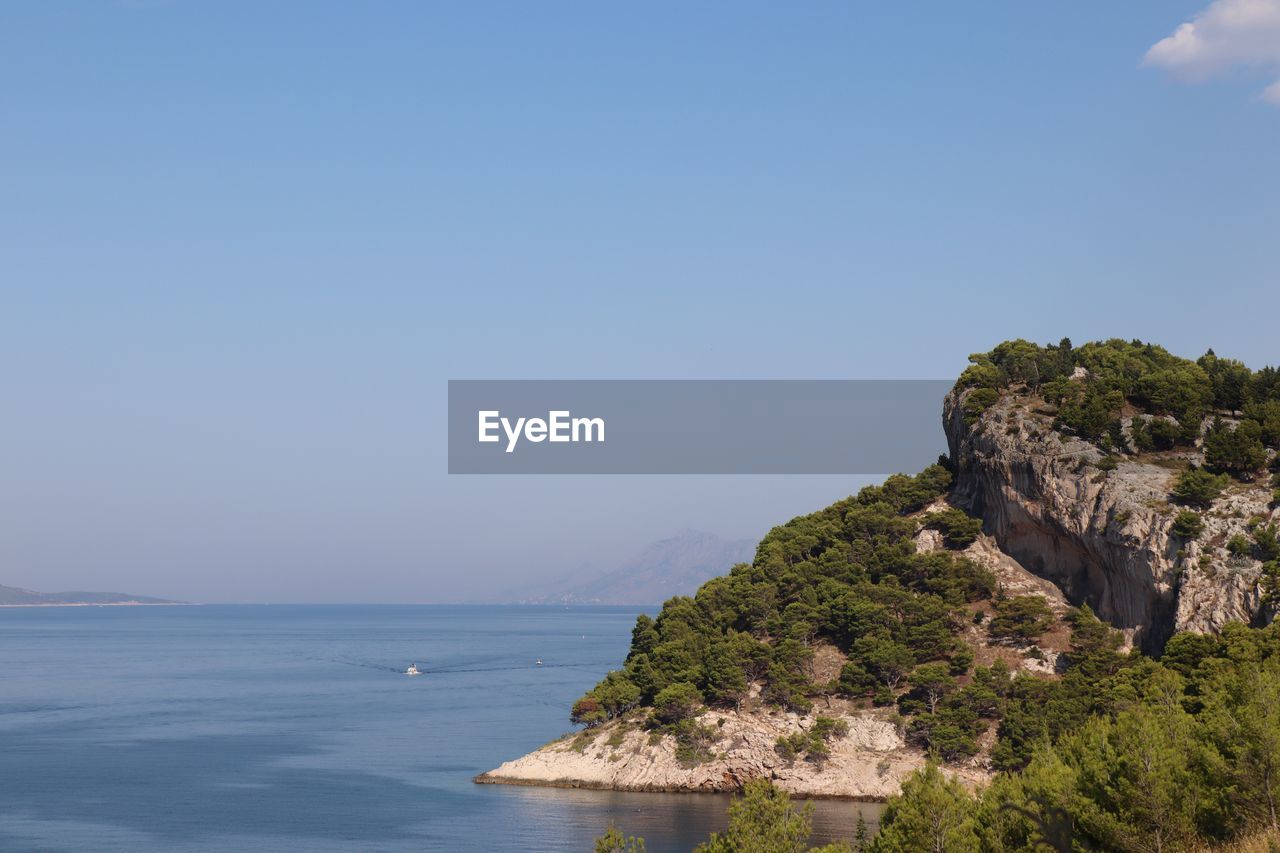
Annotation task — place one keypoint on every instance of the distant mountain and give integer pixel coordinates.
(674, 566)
(12, 596)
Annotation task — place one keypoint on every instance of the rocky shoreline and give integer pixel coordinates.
(866, 764)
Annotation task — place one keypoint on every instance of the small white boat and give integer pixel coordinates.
(538, 662)
(413, 670)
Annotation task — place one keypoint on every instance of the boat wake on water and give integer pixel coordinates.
(450, 669)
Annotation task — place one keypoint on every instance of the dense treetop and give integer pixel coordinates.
(1093, 386)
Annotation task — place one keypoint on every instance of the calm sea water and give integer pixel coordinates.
(290, 728)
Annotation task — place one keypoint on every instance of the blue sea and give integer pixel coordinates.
(291, 728)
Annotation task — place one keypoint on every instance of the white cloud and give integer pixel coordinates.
(1228, 34)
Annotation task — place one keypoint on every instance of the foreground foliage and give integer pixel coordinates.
(1179, 754)
(613, 841)
(761, 820)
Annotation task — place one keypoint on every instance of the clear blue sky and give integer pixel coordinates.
(243, 245)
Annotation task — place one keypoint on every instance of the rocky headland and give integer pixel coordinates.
(1064, 511)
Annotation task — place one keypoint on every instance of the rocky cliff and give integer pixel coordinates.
(1104, 536)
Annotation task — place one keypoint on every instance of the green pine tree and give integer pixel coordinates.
(933, 814)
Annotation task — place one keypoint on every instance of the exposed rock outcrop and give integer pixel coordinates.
(1104, 537)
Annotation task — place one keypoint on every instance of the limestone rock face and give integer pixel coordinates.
(1103, 537)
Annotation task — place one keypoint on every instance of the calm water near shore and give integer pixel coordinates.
(282, 728)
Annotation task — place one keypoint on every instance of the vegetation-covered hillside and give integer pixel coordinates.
(847, 575)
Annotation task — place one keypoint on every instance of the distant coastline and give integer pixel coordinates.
(12, 596)
(107, 604)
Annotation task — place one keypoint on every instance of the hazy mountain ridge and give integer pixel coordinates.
(677, 565)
